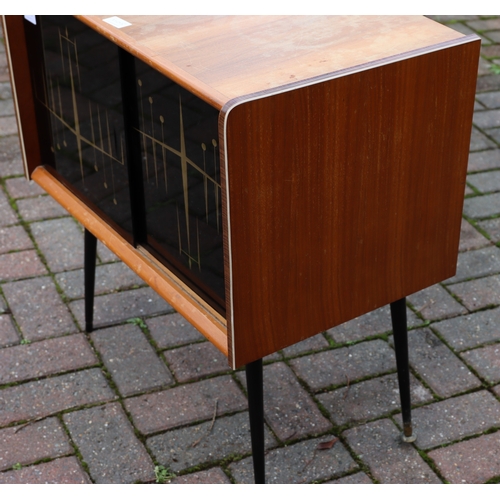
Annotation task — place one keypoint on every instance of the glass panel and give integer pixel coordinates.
(181, 175)
(83, 96)
(178, 135)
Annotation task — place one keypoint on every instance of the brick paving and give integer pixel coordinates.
(146, 390)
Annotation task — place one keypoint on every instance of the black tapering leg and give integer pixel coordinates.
(255, 389)
(89, 273)
(400, 330)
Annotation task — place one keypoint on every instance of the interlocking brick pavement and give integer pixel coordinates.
(47, 357)
(145, 389)
(28, 444)
(50, 318)
(108, 445)
(389, 459)
(131, 360)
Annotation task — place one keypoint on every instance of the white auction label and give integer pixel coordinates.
(117, 22)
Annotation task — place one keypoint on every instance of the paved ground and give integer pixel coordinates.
(146, 390)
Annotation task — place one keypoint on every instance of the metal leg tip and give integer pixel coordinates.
(408, 439)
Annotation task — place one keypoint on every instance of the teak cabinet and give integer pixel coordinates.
(270, 177)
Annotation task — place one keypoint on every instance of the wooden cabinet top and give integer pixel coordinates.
(221, 58)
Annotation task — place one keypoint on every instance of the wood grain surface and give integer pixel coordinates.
(345, 196)
(220, 58)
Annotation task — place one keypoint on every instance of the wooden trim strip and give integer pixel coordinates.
(211, 324)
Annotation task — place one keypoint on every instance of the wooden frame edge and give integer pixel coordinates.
(210, 323)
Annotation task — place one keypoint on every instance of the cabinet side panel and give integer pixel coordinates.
(32, 129)
(346, 195)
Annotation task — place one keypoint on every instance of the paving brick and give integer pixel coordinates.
(358, 478)
(476, 263)
(3, 306)
(479, 141)
(484, 160)
(41, 207)
(298, 464)
(48, 396)
(476, 294)
(130, 359)
(484, 25)
(8, 125)
(61, 242)
(172, 330)
(108, 278)
(494, 36)
(490, 118)
(7, 214)
(472, 330)
(486, 182)
(315, 343)
(486, 361)
(17, 265)
(24, 362)
(197, 360)
(114, 308)
(492, 228)
(470, 462)
(490, 99)
(370, 399)
(455, 418)
(482, 206)
(379, 445)
(437, 365)
(491, 52)
(203, 444)
(345, 365)
(436, 303)
(20, 187)
(373, 323)
(38, 309)
(185, 404)
(34, 442)
(4, 74)
(8, 332)
(483, 67)
(104, 254)
(471, 238)
(11, 162)
(14, 238)
(66, 470)
(3, 61)
(211, 476)
(488, 83)
(495, 134)
(5, 88)
(445, 19)
(288, 408)
(109, 446)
